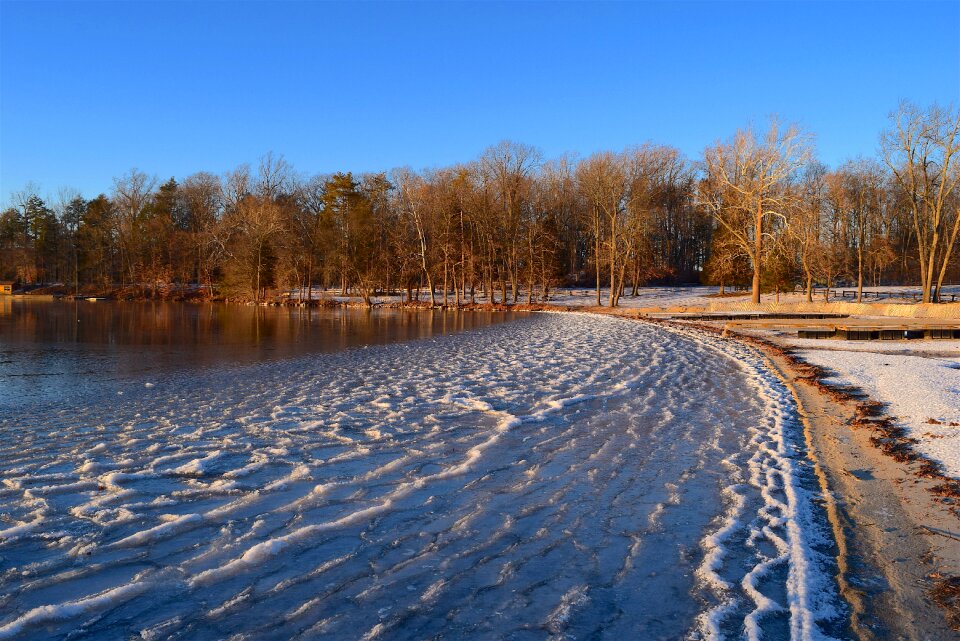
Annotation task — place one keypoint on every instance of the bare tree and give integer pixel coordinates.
(203, 199)
(274, 175)
(252, 226)
(414, 201)
(651, 174)
(856, 189)
(746, 185)
(508, 168)
(309, 225)
(603, 180)
(806, 228)
(921, 149)
(236, 185)
(131, 195)
(727, 264)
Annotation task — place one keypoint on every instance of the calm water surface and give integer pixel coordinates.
(53, 351)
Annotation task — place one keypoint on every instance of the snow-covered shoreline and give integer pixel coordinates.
(920, 392)
(916, 382)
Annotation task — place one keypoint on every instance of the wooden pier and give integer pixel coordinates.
(860, 332)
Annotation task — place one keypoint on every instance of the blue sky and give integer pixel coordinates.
(89, 90)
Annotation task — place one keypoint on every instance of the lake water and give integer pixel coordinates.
(53, 350)
(228, 473)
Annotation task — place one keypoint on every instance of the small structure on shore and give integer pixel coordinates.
(745, 316)
(6, 287)
(881, 332)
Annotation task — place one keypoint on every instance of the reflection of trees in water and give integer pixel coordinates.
(55, 350)
(186, 324)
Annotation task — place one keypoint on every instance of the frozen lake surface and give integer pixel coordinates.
(557, 476)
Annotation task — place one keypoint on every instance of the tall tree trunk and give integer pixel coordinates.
(596, 252)
(757, 252)
(946, 255)
(445, 282)
(617, 292)
(256, 296)
(530, 270)
(860, 273)
(613, 263)
(928, 275)
(922, 249)
(808, 289)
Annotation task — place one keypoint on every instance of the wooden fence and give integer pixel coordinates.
(868, 295)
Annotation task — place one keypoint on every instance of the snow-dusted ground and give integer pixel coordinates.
(916, 386)
(662, 297)
(561, 475)
(688, 295)
(692, 295)
(939, 349)
(702, 295)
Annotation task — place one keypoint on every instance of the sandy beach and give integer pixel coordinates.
(898, 541)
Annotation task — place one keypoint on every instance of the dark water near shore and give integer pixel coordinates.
(51, 351)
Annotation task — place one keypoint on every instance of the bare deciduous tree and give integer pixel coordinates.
(746, 185)
(131, 194)
(921, 149)
(603, 181)
(806, 226)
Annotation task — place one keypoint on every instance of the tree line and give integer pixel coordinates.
(757, 210)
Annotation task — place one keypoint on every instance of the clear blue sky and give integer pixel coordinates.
(89, 90)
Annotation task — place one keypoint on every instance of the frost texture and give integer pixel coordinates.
(562, 475)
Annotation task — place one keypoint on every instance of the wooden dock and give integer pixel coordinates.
(887, 332)
(746, 316)
(832, 325)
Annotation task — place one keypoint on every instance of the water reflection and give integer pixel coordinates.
(51, 350)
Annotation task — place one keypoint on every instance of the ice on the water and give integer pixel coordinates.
(564, 475)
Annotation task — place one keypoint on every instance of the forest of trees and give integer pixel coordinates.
(756, 210)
